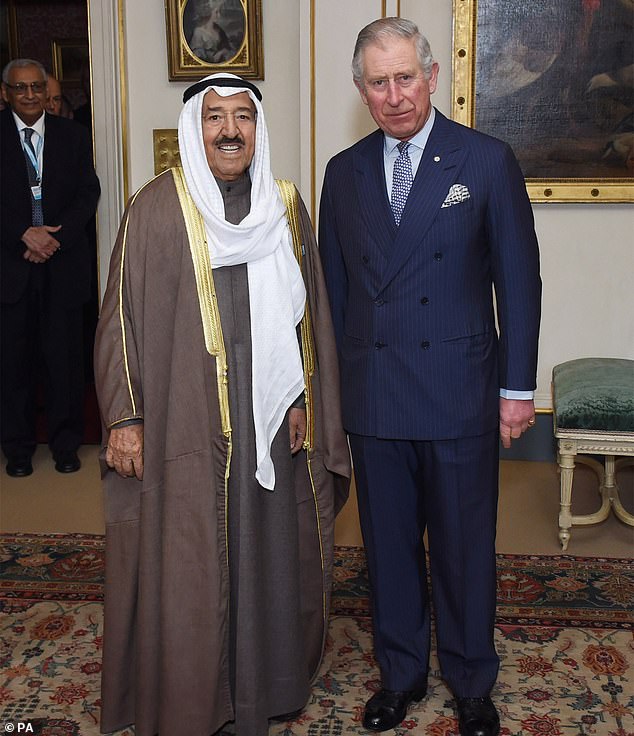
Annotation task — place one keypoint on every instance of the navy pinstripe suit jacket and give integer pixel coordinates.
(413, 306)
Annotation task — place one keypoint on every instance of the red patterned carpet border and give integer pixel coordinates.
(52, 567)
(532, 590)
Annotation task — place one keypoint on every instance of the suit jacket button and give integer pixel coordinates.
(438, 256)
(379, 302)
(379, 345)
(425, 344)
(365, 259)
(424, 300)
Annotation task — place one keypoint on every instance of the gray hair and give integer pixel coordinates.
(377, 32)
(20, 64)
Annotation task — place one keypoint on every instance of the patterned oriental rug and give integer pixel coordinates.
(564, 635)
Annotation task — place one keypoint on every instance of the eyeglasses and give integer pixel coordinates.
(21, 88)
(218, 119)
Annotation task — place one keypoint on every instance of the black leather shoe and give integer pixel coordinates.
(387, 708)
(477, 717)
(19, 467)
(67, 462)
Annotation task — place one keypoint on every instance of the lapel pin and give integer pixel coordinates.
(436, 159)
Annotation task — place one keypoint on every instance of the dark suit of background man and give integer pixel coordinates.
(428, 385)
(45, 262)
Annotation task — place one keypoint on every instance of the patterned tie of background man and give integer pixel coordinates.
(36, 204)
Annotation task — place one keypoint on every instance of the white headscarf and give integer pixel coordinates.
(263, 241)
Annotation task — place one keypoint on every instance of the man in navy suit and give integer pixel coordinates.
(49, 191)
(413, 240)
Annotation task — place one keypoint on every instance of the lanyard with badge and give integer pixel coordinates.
(34, 158)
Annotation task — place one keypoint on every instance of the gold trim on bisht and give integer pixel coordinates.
(207, 299)
(210, 315)
(289, 195)
(124, 337)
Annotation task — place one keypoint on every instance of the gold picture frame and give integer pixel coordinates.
(209, 36)
(71, 59)
(522, 75)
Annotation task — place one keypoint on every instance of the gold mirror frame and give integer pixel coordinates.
(183, 64)
(463, 111)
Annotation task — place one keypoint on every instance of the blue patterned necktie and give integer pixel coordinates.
(37, 216)
(401, 181)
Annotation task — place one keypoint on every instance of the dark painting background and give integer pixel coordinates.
(555, 79)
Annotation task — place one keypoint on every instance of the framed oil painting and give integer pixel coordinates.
(208, 36)
(71, 59)
(555, 80)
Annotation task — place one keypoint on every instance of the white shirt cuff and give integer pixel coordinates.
(505, 393)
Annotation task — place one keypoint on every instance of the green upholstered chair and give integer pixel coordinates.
(593, 411)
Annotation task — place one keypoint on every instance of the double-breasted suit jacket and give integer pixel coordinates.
(413, 305)
(70, 190)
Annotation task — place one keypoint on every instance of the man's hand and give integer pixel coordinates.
(125, 450)
(33, 257)
(40, 244)
(516, 416)
(297, 429)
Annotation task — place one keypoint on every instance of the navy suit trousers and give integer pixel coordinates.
(448, 488)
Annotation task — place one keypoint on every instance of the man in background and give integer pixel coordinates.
(418, 222)
(54, 96)
(56, 103)
(49, 191)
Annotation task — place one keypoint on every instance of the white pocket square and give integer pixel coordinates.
(457, 193)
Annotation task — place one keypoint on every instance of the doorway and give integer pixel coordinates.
(55, 33)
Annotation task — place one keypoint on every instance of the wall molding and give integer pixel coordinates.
(106, 36)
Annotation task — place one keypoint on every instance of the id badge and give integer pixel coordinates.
(36, 191)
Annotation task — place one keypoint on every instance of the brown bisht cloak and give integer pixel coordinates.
(160, 357)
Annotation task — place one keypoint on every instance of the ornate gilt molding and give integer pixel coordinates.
(165, 147)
